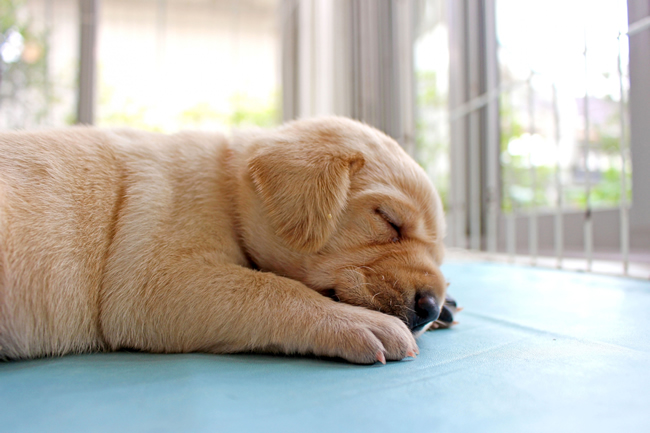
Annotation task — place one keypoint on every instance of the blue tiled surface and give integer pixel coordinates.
(536, 350)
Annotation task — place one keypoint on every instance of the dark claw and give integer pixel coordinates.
(446, 318)
(450, 302)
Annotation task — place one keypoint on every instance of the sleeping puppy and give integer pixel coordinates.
(195, 242)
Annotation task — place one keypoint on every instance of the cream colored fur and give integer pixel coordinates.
(195, 242)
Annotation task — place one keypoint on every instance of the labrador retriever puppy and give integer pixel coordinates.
(119, 239)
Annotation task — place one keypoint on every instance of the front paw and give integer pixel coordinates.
(363, 336)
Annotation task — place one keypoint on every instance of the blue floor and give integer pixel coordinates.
(535, 351)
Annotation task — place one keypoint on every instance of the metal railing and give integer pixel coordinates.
(462, 205)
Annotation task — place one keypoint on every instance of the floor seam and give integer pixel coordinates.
(545, 332)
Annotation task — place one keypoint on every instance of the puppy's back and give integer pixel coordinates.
(59, 192)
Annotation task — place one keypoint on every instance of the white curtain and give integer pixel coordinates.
(351, 58)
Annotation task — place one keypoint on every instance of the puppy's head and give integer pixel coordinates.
(341, 207)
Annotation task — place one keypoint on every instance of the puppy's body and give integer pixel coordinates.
(124, 239)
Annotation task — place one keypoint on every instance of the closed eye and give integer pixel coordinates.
(396, 228)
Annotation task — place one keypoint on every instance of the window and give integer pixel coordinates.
(541, 129)
(154, 64)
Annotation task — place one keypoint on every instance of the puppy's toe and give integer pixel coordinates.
(397, 339)
(364, 337)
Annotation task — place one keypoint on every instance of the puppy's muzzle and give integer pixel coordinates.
(426, 311)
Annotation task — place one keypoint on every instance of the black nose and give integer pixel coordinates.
(426, 310)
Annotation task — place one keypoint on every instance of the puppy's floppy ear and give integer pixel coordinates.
(303, 189)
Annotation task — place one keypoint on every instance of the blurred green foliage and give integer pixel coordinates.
(251, 112)
(245, 112)
(431, 142)
(25, 89)
(525, 187)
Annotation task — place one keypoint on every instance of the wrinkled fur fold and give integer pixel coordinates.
(115, 239)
